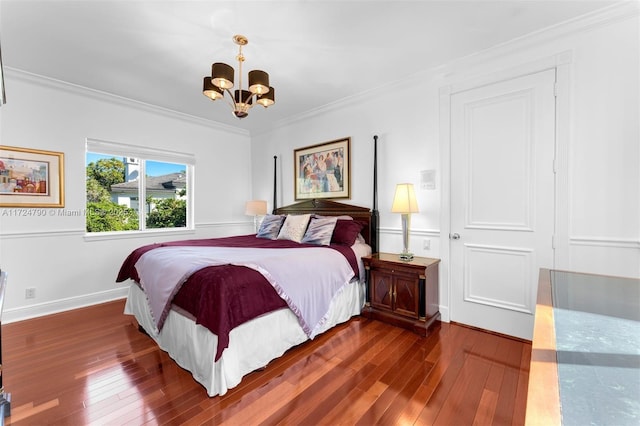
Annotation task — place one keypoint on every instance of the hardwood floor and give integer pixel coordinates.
(92, 366)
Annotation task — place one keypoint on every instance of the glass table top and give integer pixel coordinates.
(597, 325)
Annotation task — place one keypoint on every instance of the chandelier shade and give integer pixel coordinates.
(268, 98)
(222, 80)
(210, 90)
(243, 100)
(258, 82)
(242, 96)
(222, 75)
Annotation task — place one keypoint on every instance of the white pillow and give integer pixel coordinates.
(294, 227)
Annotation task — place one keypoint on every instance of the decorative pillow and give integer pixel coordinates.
(346, 232)
(320, 231)
(294, 227)
(270, 226)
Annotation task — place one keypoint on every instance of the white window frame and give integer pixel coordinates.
(142, 153)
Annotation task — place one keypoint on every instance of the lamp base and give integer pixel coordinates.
(406, 256)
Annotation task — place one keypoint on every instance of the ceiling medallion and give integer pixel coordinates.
(221, 81)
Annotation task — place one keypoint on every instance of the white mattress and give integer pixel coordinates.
(252, 345)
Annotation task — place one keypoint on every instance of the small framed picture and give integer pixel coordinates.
(31, 177)
(323, 170)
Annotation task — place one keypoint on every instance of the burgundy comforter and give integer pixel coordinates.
(223, 297)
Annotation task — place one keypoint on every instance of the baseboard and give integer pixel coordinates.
(444, 313)
(495, 333)
(61, 305)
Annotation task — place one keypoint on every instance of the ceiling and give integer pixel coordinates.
(316, 52)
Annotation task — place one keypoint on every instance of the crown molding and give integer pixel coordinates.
(588, 22)
(413, 80)
(76, 89)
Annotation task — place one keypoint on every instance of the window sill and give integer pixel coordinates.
(119, 235)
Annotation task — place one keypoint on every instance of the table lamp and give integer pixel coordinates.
(404, 202)
(255, 208)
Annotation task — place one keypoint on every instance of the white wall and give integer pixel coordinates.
(598, 210)
(598, 215)
(407, 143)
(604, 165)
(51, 253)
(598, 143)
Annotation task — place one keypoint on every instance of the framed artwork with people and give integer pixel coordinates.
(31, 177)
(323, 170)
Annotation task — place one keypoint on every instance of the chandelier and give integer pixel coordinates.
(221, 82)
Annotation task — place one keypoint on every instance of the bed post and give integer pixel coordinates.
(5, 398)
(374, 212)
(275, 174)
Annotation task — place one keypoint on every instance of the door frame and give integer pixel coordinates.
(561, 62)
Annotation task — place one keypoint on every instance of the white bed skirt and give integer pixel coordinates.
(252, 345)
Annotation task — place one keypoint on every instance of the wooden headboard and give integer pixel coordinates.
(333, 208)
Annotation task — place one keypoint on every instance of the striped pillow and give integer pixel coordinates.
(270, 226)
(320, 231)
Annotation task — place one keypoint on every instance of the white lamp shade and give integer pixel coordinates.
(256, 208)
(405, 199)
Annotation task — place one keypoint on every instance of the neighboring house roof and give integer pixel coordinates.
(164, 183)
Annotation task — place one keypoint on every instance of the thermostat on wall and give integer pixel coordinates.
(428, 179)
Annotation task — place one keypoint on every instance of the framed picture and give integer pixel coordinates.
(323, 170)
(31, 177)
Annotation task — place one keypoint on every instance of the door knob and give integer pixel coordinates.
(454, 236)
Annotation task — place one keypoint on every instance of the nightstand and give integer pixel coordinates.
(403, 293)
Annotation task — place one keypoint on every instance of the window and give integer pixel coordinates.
(131, 188)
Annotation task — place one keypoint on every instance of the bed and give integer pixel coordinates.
(220, 348)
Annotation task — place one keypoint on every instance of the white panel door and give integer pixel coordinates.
(502, 201)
